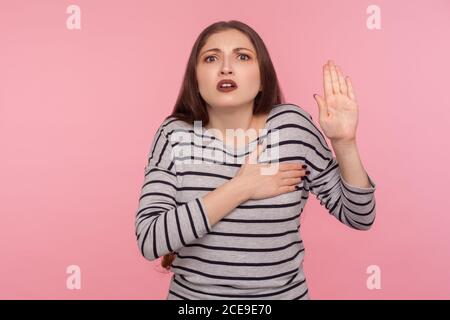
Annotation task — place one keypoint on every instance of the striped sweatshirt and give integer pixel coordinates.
(256, 250)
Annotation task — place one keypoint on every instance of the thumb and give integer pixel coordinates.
(253, 156)
(322, 106)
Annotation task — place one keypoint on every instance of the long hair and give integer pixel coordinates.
(191, 107)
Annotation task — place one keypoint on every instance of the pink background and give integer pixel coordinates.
(78, 110)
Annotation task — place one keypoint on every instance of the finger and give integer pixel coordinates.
(350, 93)
(342, 84)
(327, 88)
(292, 174)
(291, 166)
(291, 181)
(321, 103)
(285, 189)
(334, 77)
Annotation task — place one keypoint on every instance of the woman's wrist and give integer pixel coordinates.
(237, 185)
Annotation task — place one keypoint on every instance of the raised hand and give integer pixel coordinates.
(338, 110)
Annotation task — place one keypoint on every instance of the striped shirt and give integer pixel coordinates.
(255, 251)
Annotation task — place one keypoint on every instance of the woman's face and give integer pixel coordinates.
(240, 66)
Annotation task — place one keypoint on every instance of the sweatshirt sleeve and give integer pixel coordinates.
(351, 205)
(163, 226)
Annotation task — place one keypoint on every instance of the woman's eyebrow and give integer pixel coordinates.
(218, 50)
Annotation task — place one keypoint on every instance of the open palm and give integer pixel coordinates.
(338, 110)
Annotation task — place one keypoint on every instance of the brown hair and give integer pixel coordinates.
(191, 107)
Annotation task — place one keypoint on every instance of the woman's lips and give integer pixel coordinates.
(226, 89)
(231, 85)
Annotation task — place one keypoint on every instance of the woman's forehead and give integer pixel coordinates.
(228, 41)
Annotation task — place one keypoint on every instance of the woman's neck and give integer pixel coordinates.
(235, 120)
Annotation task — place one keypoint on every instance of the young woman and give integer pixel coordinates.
(223, 210)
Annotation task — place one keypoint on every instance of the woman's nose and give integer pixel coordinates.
(226, 66)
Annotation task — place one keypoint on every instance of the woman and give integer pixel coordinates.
(229, 228)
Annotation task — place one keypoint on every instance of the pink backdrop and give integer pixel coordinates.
(78, 110)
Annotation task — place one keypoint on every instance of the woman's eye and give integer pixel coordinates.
(206, 59)
(248, 57)
(245, 56)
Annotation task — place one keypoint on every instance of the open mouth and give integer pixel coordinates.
(226, 88)
(226, 85)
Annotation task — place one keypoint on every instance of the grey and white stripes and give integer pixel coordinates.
(256, 251)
